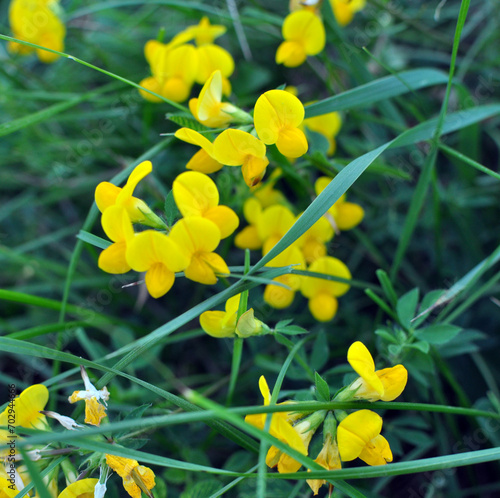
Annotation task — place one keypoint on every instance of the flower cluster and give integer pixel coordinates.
(187, 246)
(38, 22)
(345, 436)
(176, 66)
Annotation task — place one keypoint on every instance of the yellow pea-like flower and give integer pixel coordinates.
(204, 160)
(7, 489)
(272, 224)
(118, 227)
(239, 148)
(322, 294)
(282, 429)
(373, 385)
(160, 257)
(212, 58)
(38, 22)
(79, 489)
(221, 323)
(205, 33)
(27, 407)
(196, 194)
(249, 238)
(277, 117)
(199, 237)
(358, 435)
(208, 108)
(136, 478)
(313, 241)
(304, 35)
(344, 10)
(343, 215)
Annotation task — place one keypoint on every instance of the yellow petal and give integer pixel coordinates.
(183, 64)
(150, 247)
(116, 224)
(195, 234)
(305, 28)
(356, 431)
(377, 452)
(195, 138)
(138, 173)
(122, 466)
(105, 195)
(232, 147)
(83, 488)
(212, 323)
(204, 266)
(291, 54)
(153, 84)
(278, 297)
(264, 390)
(211, 58)
(361, 361)
(329, 266)
(94, 412)
(113, 259)
(274, 221)
(27, 405)
(159, 280)
(194, 193)
(393, 380)
(176, 89)
(225, 218)
(203, 163)
(248, 238)
(323, 307)
(348, 215)
(252, 210)
(254, 169)
(292, 142)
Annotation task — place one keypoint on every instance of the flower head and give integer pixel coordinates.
(204, 160)
(239, 148)
(83, 488)
(94, 411)
(38, 22)
(304, 35)
(137, 479)
(282, 429)
(160, 257)
(344, 10)
(277, 117)
(221, 323)
(358, 435)
(374, 385)
(27, 407)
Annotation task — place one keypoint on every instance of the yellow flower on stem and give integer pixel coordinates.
(327, 125)
(280, 428)
(107, 195)
(204, 160)
(199, 237)
(27, 407)
(280, 297)
(304, 35)
(160, 257)
(342, 215)
(94, 411)
(221, 323)
(277, 117)
(239, 148)
(322, 294)
(358, 435)
(344, 10)
(313, 241)
(137, 479)
(83, 488)
(208, 108)
(118, 227)
(196, 194)
(373, 385)
(38, 22)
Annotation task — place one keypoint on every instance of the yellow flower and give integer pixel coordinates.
(21, 477)
(358, 435)
(94, 411)
(386, 384)
(204, 160)
(221, 323)
(107, 195)
(343, 215)
(118, 227)
(327, 125)
(280, 428)
(239, 148)
(344, 10)
(322, 294)
(204, 32)
(249, 238)
(199, 237)
(160, 257)
(174, 67)
(304, 35)
(208, 108)
(272, 224)
(196, 194)
(7, 489)
(80, 489)
(137, 479)
(313, 241)
(277, 116)
(281, 297)
(27, 407)
(38, 22)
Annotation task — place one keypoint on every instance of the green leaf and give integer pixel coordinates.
(320, 352)
(322, 388)
(387, 287)
(186, 120)
(93, 240)
(420, 345)
(290, 329)
(439, 333)
(172, 213)
(406, 307)
(375, 91)
(385, 334)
